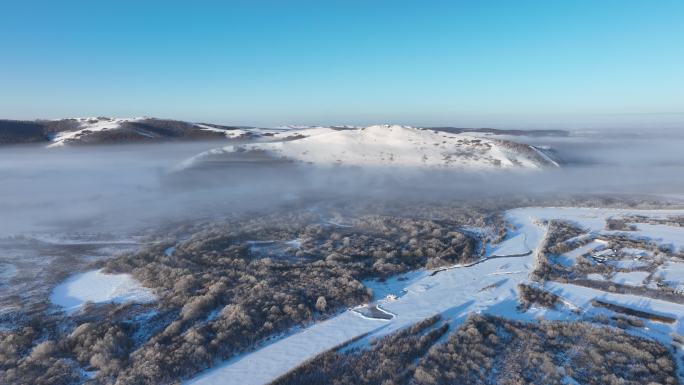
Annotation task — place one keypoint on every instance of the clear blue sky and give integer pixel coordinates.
(346, 61)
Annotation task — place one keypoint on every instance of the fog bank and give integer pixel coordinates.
(120, 188)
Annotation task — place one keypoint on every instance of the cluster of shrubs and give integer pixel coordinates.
(559, 233)
(529, 295)
(100, 346)
(496, 351)
(619, 224)
(560, 238)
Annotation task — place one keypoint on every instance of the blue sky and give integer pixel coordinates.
(348, 61)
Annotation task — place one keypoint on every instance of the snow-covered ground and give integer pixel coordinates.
(672, 274)
(237, 133)
(394, 145)
(596, 277)
(570, 258)
(636, 253)
(98, 287)
(594, 221)
(632, 278)
(582, 297)
(488, 287)
(627, 264)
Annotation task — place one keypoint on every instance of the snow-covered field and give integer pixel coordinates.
(488, 287)
(632, 278)
(98, 287)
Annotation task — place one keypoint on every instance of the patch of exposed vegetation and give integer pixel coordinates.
(529, 295)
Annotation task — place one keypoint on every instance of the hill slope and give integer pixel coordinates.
(108, 131)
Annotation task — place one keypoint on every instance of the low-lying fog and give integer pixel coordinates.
(76, 206)
(102, 189)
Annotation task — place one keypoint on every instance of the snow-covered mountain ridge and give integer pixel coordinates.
(378, 145)
(103, 130)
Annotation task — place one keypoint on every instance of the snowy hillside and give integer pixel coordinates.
(103, 130)
(126, 130)
(85, 127)
(394, 145)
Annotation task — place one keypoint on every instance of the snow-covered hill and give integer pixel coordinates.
(102, 130)
(84, 127)
(392, 145)
(380, 145)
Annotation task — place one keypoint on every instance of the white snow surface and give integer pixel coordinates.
(98, 287)
(596, 277)
(668, 235)
(632, 278)
(394, 145)
(487, 287)
(637, 253)
(672, 274)
(627, 264)
(236, 133)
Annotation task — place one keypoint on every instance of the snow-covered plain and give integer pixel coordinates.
(488, 287)
(98, 287)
